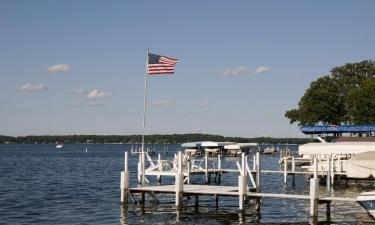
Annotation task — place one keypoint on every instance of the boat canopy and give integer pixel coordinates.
(331, 129)
(205, 144)
(239, 146)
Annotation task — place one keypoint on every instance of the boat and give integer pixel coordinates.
(211, 148)
(238, 148)
(269, 150)
(60, 146)
(361, 166)
(367, 201)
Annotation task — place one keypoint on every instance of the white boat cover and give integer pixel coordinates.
(191, 145)
(361, 165)
(338, 148)
(205, 144)
(239, 146)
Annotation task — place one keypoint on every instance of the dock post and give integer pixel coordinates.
(206, 168)
(329, 175)
(254, 163)
(258, 172)
(242, 183)
(188, 169)
(143, 167)
(314, 197)
(139, 169)
(294, 170)
(293, 165)
(285, 169)
(158, 177)
(257, 179)
(125, 181)
(179, 182)
(196, 201)
(219, 168)
(332, 171)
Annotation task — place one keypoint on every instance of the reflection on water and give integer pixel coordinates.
(42, 185)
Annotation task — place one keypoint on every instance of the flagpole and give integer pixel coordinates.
(143, 177)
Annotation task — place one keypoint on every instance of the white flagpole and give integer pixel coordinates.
(143, 177)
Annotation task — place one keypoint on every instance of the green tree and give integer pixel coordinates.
(320, 103)
(362, 103)
(330, 98)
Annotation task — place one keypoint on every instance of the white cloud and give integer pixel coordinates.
(98, 94)
(262, 69)
(78, 91)
(204, 104)
(163, 103)
(58, 68)
(33, 88)
(235, 71)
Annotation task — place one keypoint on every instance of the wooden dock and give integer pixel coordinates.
(249, 187)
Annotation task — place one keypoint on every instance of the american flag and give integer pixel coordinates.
(158, 64)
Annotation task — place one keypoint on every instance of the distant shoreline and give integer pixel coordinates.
(136, 139)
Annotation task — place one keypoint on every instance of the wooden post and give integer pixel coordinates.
(315, 168)
(179, 182)
(242, 183)
(258, 171)
(206, 168)
(332, 170)
(139, 167)
(254, 162)
(188, 169)
(160, 165)
(293, 165)
(314, 197)
(219, 168)
(285, 169)
(125, 181)
(329, 175)
(196, 201)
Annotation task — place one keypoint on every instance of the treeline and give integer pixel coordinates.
(132, 139)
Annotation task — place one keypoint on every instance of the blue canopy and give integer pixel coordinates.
(330, 129)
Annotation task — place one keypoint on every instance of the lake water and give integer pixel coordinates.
(40, 184)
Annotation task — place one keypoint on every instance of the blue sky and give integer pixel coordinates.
(78, 67)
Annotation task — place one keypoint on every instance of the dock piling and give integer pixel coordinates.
(314, 197)
(160, 165)
(124, 184)
(179, 182)
(285, 169)
(206, 168)
(242, 183)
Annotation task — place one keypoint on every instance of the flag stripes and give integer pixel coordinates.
(158, 64)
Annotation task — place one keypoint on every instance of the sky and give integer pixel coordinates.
(78, 67)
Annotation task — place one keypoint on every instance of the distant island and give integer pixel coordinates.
(150, 139)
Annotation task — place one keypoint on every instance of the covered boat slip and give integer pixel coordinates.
(353, 157)
(217, 148)
(336, 148)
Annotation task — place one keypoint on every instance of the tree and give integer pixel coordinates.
(330, 99)
(362, 103)
(320, 103)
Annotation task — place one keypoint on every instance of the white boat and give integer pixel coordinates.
(60, 146)
(269, 150)
(238, 148)
(336, 148)
(215, 148)
(367, 201)
(361, 165)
